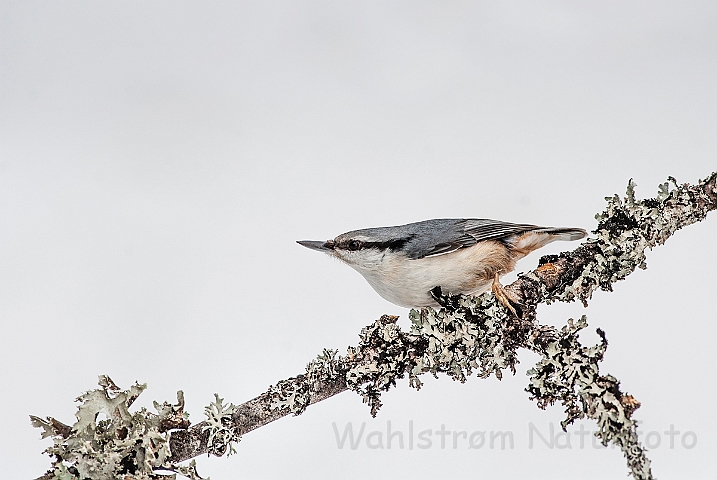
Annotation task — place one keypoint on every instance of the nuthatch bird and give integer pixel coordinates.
(404, 263)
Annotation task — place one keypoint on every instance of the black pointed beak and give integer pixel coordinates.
(318, 246)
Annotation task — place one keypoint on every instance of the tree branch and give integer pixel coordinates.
(466, 335)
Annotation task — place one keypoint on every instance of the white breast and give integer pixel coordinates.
(408, 282)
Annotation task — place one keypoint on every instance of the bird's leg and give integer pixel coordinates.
(502, 295)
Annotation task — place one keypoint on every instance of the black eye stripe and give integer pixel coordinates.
(354, 245)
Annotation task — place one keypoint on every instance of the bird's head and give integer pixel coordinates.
(361, 249)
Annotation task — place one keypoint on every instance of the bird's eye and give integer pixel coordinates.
(355, 245)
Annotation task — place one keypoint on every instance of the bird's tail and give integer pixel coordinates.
(531, 240)
(565, 234)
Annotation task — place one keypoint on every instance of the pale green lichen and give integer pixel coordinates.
(627, 228)
(123, 444)
(468, 337)
(292, 394)
(380, 358)
(221, 434)
(324, 367)
(568, 373)
(474, 335)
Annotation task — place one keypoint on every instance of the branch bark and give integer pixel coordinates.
(478, 335)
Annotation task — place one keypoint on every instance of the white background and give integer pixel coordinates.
(158, 161)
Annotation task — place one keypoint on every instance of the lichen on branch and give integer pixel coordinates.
(466, 335)
(122, 444)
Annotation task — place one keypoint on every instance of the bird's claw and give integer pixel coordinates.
(502, 295)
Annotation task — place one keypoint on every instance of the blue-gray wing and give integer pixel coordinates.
(437, 237)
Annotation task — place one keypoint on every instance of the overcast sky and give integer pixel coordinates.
(158, 160)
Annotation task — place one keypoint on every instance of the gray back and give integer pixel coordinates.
(433, 237)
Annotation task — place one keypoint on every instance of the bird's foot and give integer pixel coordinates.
(503, 296)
